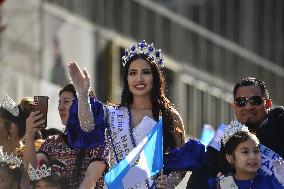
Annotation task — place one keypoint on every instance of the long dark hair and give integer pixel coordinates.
(230, 147)
(160, 103)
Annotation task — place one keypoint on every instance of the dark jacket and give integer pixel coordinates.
(270, 134)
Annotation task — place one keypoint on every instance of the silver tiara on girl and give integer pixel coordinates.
(38, 173)
(152, 54)
(10, 160)
(44, 171)
(231, 129)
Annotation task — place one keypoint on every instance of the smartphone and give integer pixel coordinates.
(41, 104)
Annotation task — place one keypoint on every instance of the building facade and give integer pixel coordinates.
(209, 45)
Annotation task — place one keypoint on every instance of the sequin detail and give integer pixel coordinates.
(8, 104)
(56, 148)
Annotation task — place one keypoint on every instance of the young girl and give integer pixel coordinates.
(48, 176)
(10, 172)
(142, 96)
(13, 123)
(240, 161)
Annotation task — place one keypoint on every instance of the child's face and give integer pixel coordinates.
(246, 159)
(41, 184)
(5, 180)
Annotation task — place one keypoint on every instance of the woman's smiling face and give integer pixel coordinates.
(140, 78)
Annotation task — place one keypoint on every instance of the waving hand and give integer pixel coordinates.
(80, 78)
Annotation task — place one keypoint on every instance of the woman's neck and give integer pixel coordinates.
(141, 103)
(244, 176)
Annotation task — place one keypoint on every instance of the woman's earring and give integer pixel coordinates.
(9, 138)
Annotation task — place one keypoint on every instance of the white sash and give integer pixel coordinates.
(120, 131)
(267, 158)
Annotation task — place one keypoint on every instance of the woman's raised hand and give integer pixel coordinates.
(34, 124)
(80, 78)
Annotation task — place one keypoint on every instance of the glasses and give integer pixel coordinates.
(253, 100)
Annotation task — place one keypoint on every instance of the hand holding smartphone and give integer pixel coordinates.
(41, 104)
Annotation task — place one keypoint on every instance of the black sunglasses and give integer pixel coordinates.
(253, 100)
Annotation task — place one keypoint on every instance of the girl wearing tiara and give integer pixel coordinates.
(48, 176)
(10, 171)
(142, 97)
(13, 123)
(240, 161)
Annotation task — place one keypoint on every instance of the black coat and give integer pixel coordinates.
(270, 134)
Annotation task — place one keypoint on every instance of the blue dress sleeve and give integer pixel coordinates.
(212, 183)
(186, 158)
(78, 138)
(275, 184)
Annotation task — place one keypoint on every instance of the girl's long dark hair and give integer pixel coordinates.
(160, 103)
(230, 147)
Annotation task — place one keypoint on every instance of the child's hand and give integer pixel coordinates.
(226, 182)
(278, 168)
(219, 177)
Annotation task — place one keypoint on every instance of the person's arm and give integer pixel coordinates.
(77, 137)
(209, 168)
(94, 171)
(86, 122)
(33, 123)
(171, 180)
(174, 177)
(178, 128)
(81, 81)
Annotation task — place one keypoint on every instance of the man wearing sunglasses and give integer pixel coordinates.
(252, 107)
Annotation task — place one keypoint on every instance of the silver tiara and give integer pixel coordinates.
(38, 173)
(11, 160)
(153, 54)
(8, 104)
(231, 129)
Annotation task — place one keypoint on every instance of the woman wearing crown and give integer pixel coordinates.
(49, 175)
(142, 97)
